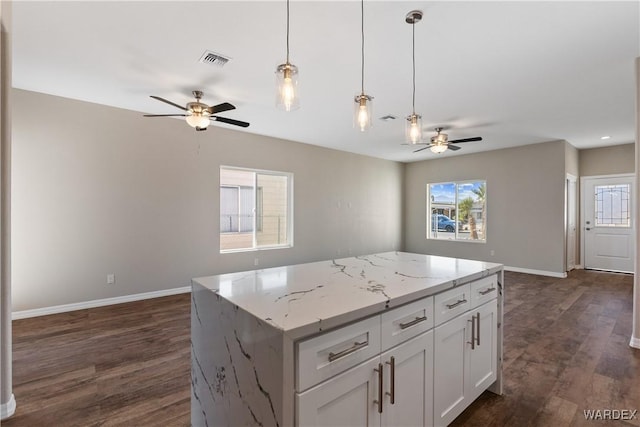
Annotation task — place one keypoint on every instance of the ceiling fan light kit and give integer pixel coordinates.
(199, 117)
(413, 123)
(287, 96)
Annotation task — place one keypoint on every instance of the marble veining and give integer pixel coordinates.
(244, 326)
(307, 298)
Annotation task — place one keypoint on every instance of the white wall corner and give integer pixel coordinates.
(634, 342)
(8, 409)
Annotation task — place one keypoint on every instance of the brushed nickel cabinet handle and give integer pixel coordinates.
(478, 328)
(392, 395)
(380, 377)
(455, 304)
(413, 322)
(356, 346)
(473, 332)
(486, 291)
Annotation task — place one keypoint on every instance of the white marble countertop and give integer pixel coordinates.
(305, 299)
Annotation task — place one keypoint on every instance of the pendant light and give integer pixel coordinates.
(413, 126)
(287, 81)
(363, 103)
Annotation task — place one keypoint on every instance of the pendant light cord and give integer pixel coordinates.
(362, 34)
(413, 29)
(287, 31)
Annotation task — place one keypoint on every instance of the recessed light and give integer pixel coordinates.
(605, 137)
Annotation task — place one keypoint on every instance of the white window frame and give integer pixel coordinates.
(455, 235)
(289, 225)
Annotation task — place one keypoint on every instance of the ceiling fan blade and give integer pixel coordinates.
(165, 115)
(458, 141)
(453, 147)
(230, 121)
(199, 129)
(423, 148)
(168, 102)
(225, 106)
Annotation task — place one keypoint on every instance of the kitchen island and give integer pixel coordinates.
(385, 339)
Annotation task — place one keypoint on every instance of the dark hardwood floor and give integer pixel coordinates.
(566, 351)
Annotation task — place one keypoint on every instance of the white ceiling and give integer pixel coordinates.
(512, 72)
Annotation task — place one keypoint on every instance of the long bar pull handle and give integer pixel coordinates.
(455, 304)
(380, 391)
(413, 322)
(486, 291)
(392, 395)
(478, 328)
(473, 332)
(356, 346)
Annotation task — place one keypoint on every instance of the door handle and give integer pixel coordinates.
(587, 229)
(473, 332)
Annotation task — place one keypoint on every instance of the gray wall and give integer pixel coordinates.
(101, 190)
(525, 205)
(608, 160)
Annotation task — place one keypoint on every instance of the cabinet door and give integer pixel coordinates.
(450, 369)
(344, 400)
(483, 361)
(411, 383)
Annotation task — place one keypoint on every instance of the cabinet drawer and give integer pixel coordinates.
(408, 321)
(328, 354)
(449, 304)
(484, 290)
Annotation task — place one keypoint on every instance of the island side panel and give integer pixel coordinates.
(497, 386)
(236, 365)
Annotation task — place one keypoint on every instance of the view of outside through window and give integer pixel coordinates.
(613, 205)
(254, 209)
(457, 210)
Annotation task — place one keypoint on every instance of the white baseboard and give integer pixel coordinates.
(538, 272)
(8, 409)
(96, 303)
(635, 342)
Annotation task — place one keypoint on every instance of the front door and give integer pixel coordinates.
(608, 223)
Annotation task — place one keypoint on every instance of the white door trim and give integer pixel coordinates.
(568, 179)
(582, 206)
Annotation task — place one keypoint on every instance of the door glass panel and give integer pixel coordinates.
(613, 205)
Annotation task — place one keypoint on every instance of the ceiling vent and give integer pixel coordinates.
(388, 117)
(215, 59)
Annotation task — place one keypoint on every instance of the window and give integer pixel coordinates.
(457, 211)
(255, 209)
(613, 205)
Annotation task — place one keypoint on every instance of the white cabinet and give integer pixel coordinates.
(410, 383)
(344, 400)
(420, 364)
(465, 360)
(392, 389)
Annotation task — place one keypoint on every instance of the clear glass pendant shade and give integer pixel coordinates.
(413, 129)
(287, 94)
(362, 111)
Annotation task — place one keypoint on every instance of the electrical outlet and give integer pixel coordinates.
(111, 279)
(256, 261)
(493, 252)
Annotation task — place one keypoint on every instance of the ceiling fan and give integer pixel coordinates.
(200, 114)
(440, 142)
